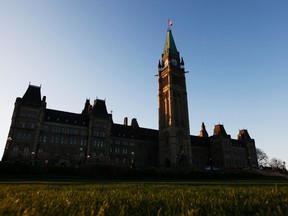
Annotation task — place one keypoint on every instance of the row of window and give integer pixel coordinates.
(26, 151)
(28, 114)
(27, 125)
(120, 161)
(66, 120)
(65, 130)
(98, 143)
(99, 133)
(100, 124)
(23, 136)
(122, 142)
(72, 131)
(71, 141)
(62, 140)
(118, 150)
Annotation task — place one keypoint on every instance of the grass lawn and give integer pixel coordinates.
(144, 198)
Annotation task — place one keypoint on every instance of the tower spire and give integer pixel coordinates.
(174, 132)
(170, 46)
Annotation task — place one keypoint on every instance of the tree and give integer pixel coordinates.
(276, 163)
(261, 157)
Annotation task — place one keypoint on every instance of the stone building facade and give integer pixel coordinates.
(45, 137)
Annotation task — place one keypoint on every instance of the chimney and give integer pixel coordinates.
(125, 121)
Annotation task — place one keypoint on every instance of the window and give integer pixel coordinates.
(82, 154)
(44, 139)
(83, 132)
(26, 151)
(40, 151)
(83, 142)
(15, 151)
(54, 139)
(43, 127)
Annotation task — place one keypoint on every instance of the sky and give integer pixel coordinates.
(236, 53)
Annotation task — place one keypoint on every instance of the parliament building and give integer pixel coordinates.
(46, 137)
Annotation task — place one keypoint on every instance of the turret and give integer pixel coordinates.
(219, 130)
(134, 123)
(243, 135)
(159, 66)
(182, 63)
(87, 107)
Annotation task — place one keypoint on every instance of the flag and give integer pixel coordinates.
(170, 23)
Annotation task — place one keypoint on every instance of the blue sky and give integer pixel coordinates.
(235, 51)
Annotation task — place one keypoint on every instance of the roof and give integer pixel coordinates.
(199, 141)
(62, 117)
(126, 131)
(32, 95)
(243, 134)
(170, 45)
(219, 130)
(99, 109)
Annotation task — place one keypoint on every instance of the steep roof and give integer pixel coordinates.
(32, 95)
(99, 109)
(244, 135)
(219, 130)
(170, 45)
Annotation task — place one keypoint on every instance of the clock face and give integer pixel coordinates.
(174, 62)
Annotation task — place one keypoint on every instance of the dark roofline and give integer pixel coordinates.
(119, 130)
(63, 117)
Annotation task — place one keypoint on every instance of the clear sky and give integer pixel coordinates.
(236, 53)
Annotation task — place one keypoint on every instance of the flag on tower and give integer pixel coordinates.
(170, 23)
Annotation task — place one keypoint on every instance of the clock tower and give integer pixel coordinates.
(174, 132)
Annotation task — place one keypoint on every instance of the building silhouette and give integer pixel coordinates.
(45, 137)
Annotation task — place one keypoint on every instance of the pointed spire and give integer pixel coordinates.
(203, 132)
(182, 61)
(159, 66)
(87, 107)
(203, 126)
(170, 44)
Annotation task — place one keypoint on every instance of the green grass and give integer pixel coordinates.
(147, 198)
